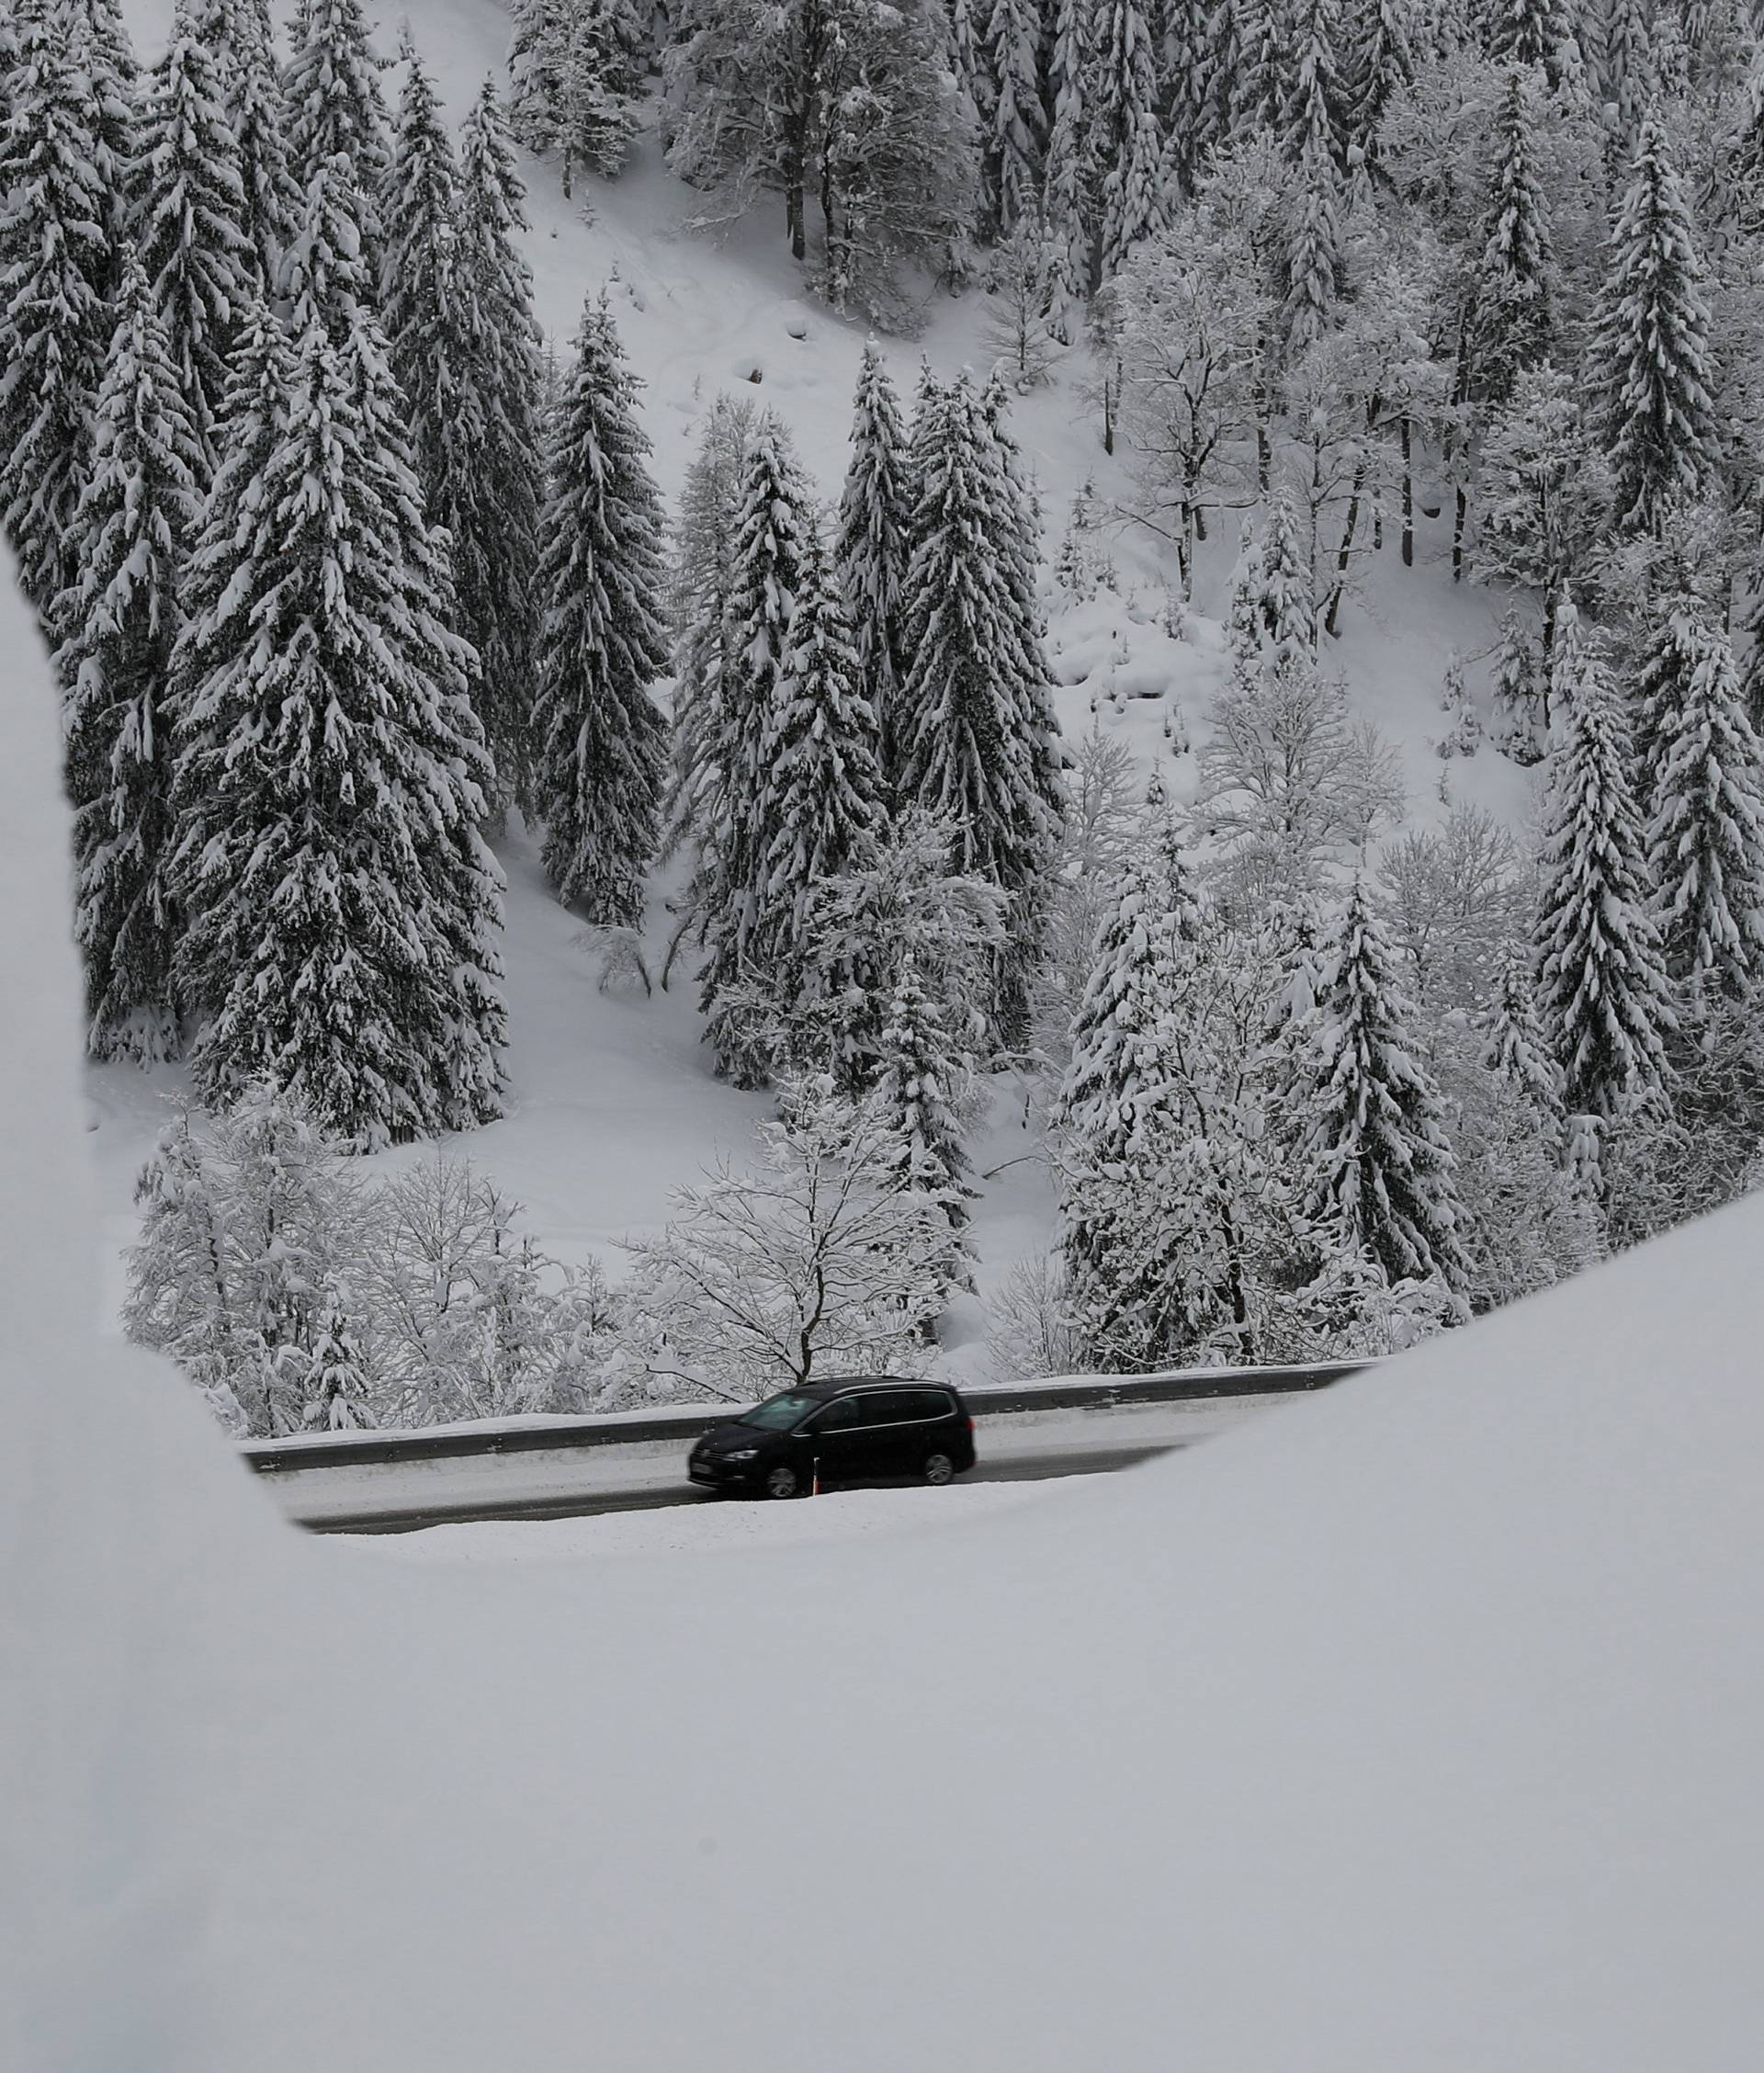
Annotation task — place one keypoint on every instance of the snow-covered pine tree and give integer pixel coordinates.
(1121, 109)
(54, 262)
(1379, 1168)
(1116, 1033)
(336, 1383)
(1673, 644)
(1628, 80)
(1706, 834)
(921, 1073)
(1314, 116)
(1602, 991)
(1377, 59)
(975, 715)
(875, 520)
(1518, 1049)
(824, 785)
(489, 499)
(1521, 722)
(242, 37)
(1066, 199)
(99, 43)
(341, 907)
(1017, 135)
(336, 109)
(134, 524)
(1511, 320)
(191, 230)
(1527, 33)
(706, 529)
(1313, 248)
(772, 567)
(600, 741)
(1652, 357)
(1288, 597)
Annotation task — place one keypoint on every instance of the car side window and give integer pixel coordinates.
(894, 1407)
(931, 1403)
(839, 1416)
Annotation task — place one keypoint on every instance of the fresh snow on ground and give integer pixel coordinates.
(1416, 1727)
(712, 1527)
(613, 1103)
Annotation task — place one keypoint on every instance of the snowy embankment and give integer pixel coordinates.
(612, 1103)
(1416, 1728)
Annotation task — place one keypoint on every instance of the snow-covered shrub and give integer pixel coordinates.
(823, 1258)
(1032, 1329)
(251, 1226)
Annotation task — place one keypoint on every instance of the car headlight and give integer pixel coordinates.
(741, 1453)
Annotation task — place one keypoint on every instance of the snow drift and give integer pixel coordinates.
(1416, 1728)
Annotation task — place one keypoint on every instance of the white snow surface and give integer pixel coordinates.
(1415, 1729)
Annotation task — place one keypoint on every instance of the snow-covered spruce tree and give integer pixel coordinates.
(1706, 839)
(336, 1382)
(1521, 721)
(99, 43)
(1511, 320)
(419, 301)
(874, 520)
(1016, 135)
(1602, 991)
(772, 567)
(1377, 59)
(241, 36)
(1526, 33)
(1378, 1168)
(823, 785)
(706, 527)
(1120, 97)
(1313, 119)
(919, 1082)
(55, 260)
(974, 709)
(134, 523)
(489, 497)
(576, 71)
(600, 742)
(1067, 200)
(191, 230)
(1312, 250)
(341, 906)
(1652, 356)
(336, 109)
(1628, 79)
(1517, 1048)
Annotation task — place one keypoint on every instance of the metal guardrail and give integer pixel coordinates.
(684, 1423)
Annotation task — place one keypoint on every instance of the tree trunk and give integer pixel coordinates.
(1343, 552)
(1458, 522)
(1409, 495)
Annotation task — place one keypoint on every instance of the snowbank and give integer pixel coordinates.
(1416, 1728)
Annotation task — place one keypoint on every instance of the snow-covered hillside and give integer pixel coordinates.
(612, 1100)
(1416, 1727)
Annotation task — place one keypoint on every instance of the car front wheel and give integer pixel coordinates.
(783, 1481)
(939, 1469)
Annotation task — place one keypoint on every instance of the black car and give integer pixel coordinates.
(857, 1429)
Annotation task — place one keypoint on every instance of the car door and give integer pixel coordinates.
(892, 1431)
(833, 1440)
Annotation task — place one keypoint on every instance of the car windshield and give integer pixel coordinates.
(777, 1414)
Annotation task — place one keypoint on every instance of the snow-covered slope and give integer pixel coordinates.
(1416, 1728)
(612, 1100)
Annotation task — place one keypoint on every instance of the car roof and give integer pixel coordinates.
(841, 1384)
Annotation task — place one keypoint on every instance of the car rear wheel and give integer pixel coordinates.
(939, 1469)
(783, 1481)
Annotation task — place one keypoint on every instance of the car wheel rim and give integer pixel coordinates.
(781, 1483)
(939, 1469)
